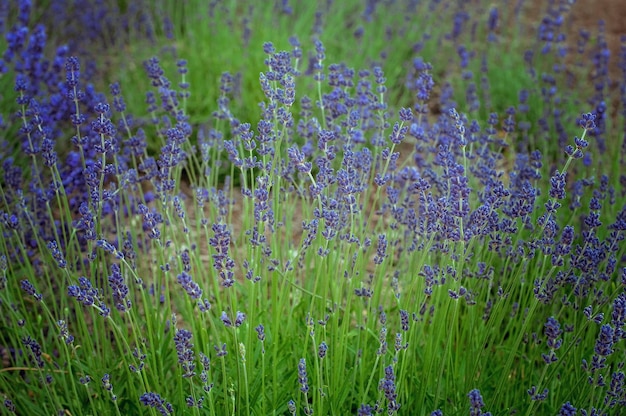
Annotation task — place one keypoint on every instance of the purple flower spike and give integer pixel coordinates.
(476, 403)
(226, 320)
(184, 349)
(388, 386)
(155, 401)
(240, 317)
(302, 376)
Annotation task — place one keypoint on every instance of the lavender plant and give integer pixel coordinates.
(348, 251)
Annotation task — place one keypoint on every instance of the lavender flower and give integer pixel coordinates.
(191, 402)
(64, 332)
(220, 351)
(141, 357)
(86, 294)
(87, 222)
(381, 250)
(103, 127)
(137, 144)
(239, 318)
(388, 386)
(382, 339)
(567, 410)
(318, 62)
(226, 320)
(380, 80)
(365, 410)
(604, 343)
(588, 312)
(56, 254)
(552, 330)
(291, 405)
(535, 395)
(406, 115)
(178, 207)
(587, 121)
(204, 305)
(298, 159)
(557, 185)
(492, 22)
(399, 132)
(260, 329)
(186, 260)
(398, 345)
(72, 67)
(184, 350)
(154, 400)
(28, 287)
(192, 288)
(118, 101)
(109, 248)
(35, 350)
(9, 405)
(618, 316)
(322, 349)
(48, 152)
(155, 72)
(404, 320)
(204, 374)
(476, 403)
(616, 394)
(221, 261)
(106, 385)
(150, 221)
(302, 377)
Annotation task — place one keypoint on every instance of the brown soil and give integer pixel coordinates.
(585, 14)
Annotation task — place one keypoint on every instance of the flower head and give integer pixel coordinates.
(302, 376)
(184, 350)
(154, 400)
(476, 403)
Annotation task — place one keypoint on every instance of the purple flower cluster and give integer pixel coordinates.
(88, 295)
(189, 285)
(240, 317)
(322, 350)
(106, 385)
(64, 332)
(35, 351)
(9, 405)
(222, 262)
(303, 380)
(119, 289)
(220, 351)
(477, 403)
(553, 331)
(204, 374)
(30, 290)
(184, 350)
(388, 386)
(151, 220)
(155, 401)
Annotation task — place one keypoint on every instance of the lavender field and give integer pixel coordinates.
(295, 208)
